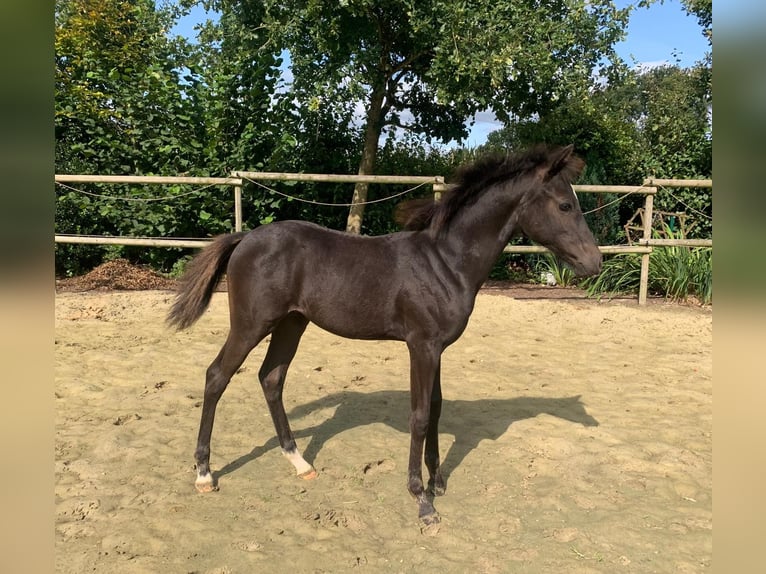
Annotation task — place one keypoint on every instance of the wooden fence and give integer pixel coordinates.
(238, 178)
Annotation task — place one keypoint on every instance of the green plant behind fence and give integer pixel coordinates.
(676, 272)
(549, 263)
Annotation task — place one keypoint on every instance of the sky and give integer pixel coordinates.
(661, 34)
(655, 33)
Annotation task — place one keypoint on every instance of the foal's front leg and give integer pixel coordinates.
(436, 484)
(424, 366)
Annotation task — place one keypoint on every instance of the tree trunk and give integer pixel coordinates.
(369, 155)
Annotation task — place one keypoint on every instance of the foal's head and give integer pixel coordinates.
(535, 185)
(549, 212)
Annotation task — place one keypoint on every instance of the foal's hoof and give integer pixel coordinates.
(310, 474)
(437, 487)
(205, 484)
(430, 523)
(427, 513)
(432, 518)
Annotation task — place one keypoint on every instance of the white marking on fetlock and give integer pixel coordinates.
(302, 468)
(204, 483)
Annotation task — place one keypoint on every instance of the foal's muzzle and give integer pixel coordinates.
(588, 265)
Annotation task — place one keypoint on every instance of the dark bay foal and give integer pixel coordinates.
(416, 286)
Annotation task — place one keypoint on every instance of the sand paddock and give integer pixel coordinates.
(576, 436)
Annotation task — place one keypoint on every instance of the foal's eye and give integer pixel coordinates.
(565, 207)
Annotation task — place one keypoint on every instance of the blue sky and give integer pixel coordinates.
(662, 33)
(654, 33)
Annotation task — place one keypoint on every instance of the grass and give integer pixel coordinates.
(675, 272)
(549, 263)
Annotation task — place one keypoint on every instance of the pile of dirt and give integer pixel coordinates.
(120, 275)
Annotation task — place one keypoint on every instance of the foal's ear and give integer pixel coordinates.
(559, 159)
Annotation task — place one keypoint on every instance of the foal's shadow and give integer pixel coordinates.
(468, 421)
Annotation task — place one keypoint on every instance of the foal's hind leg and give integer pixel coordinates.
(284, 344)
(219, 373)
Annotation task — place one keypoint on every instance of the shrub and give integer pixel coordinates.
(675, 272)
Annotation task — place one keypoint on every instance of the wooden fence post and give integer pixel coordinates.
(643, 286)
(238, 207)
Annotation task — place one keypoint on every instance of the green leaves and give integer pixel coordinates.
(428, 66)
(675, 272)
(120, 103)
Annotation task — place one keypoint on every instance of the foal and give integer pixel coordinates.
(417, 286)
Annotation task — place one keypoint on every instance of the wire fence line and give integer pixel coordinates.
(176, 196)
(136, 199)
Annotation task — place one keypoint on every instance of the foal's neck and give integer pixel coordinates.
(478, 235)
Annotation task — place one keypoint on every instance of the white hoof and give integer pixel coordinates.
(205, 483)
(302, 468)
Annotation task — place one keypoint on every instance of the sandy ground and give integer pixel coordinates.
(575, 435)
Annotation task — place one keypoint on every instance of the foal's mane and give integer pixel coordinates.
(472, 179)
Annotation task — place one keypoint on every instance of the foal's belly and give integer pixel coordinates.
(354, 318)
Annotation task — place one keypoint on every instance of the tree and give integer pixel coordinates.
(678, 137)
(646, 123)
(118, 89)
(428, 66)
(606, 138)
(239, 73)
(122, 106)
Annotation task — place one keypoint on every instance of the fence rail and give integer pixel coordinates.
(645, 245)
(698, 183)
(655, 242)
(139, 241)
(337, 178)
(150, 179)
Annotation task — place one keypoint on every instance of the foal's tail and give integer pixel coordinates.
(200, 279)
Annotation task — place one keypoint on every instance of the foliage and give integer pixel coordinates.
(677, 133)
(606, 142)
(326, 147)
(673, 114)
(703, 10)
(620, 273)
(238, 71)
(642, 123)
(122, 106)
(511, 267)
(676, 272)
(406, 155)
